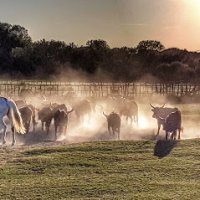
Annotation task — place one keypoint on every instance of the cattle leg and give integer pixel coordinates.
(131, 117)
(109, 130)
(4, 127)
(174, 135)
(47, 128)
(118, 133)
(47, 124)
(13, 136)
(43, 126)
(34, 125)
(159, 125)
(27, 126)
(136, 119)
(56, 128)
(179, 133)
(65, 130)
(126, 120)
(113, 131)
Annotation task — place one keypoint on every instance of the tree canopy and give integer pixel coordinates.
(21, 57)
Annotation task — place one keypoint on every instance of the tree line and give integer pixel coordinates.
(20, 57)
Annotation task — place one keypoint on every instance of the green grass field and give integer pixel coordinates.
(102, 170)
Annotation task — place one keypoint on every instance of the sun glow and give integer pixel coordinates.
(194, 3)
(89, 123)
(143, 122)
(192, 9)
(186, 28)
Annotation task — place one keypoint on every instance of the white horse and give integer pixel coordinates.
(8, 108)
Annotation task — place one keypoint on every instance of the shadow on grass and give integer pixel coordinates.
(163, 147)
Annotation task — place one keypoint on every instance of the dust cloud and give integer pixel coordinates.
(94, 127)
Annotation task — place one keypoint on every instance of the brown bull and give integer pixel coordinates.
(165, 118)
(129, 109)
(82, 108)
(26, 114)
(45, 115)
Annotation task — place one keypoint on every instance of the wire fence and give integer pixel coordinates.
(83, 89)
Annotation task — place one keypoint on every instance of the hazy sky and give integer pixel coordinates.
(176, 23)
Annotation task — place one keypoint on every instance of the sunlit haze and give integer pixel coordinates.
(176, 23)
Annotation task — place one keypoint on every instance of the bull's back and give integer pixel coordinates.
(173, 121)
(164, 112)
(26, 112)
(45, 114)
(114, 120)
(129, 108)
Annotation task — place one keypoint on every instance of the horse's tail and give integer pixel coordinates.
(16, 118)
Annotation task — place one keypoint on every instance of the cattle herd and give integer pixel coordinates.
(49, 113)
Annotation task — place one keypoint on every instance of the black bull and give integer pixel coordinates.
(114, 123)
(61, 121)
(172, 124)
(169, 118)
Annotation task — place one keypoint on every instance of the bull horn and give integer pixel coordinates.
(70, 111)
(105, 115)
(152, 106)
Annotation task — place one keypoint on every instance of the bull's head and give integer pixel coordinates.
(156, 111)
